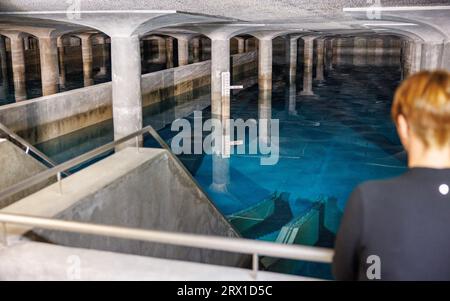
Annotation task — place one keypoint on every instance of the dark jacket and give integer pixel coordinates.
(404, 221)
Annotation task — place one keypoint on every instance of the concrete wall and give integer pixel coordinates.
(48, 117)
(17, 166)
(144, 189)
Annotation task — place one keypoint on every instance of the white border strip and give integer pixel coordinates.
(395, 8)
(90, 12)
(390, 24)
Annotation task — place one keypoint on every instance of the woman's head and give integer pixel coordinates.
(421, 110)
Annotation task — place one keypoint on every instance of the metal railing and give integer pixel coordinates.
(235, 245)
(58, 170)
(61, 169)
(27, 147)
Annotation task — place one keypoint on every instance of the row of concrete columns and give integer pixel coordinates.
(52, 63)
(52, 58)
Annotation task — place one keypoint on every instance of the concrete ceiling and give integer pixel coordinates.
(139, 17)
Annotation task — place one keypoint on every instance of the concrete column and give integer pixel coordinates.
(105, 56)
(26, 42)
(220, 109)
(126, 86)
(291, 59)
(337, 51)
(205, 49)
(320, 57)
(308, 65)
(86, 54)
(220, 62)
(241, 44)
(446, 56)
(162, 50)
(4, 71)
(169, 52)
(49, 65)
(247, 44)
(265, 64)
(359, 51)
(380, 43)
(18, 66)
(183, 51)
(379, 47)
(196, 50)
(62, 65)
(407, 58)
(329, 54)
(431, 55)
(417, 57)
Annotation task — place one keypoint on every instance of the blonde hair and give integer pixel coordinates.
(424, 100)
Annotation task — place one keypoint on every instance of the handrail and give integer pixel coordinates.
(57, 170)
(235, 245)
(27, 145)
(244, 246)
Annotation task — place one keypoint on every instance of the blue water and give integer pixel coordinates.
(329, 143)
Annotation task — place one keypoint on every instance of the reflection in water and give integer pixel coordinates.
(291, 99)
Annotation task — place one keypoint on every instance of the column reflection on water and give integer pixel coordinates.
(291, 87)
(265, 89)
(264, 116)
(291, 98)
(359, 52)
(62, 64)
